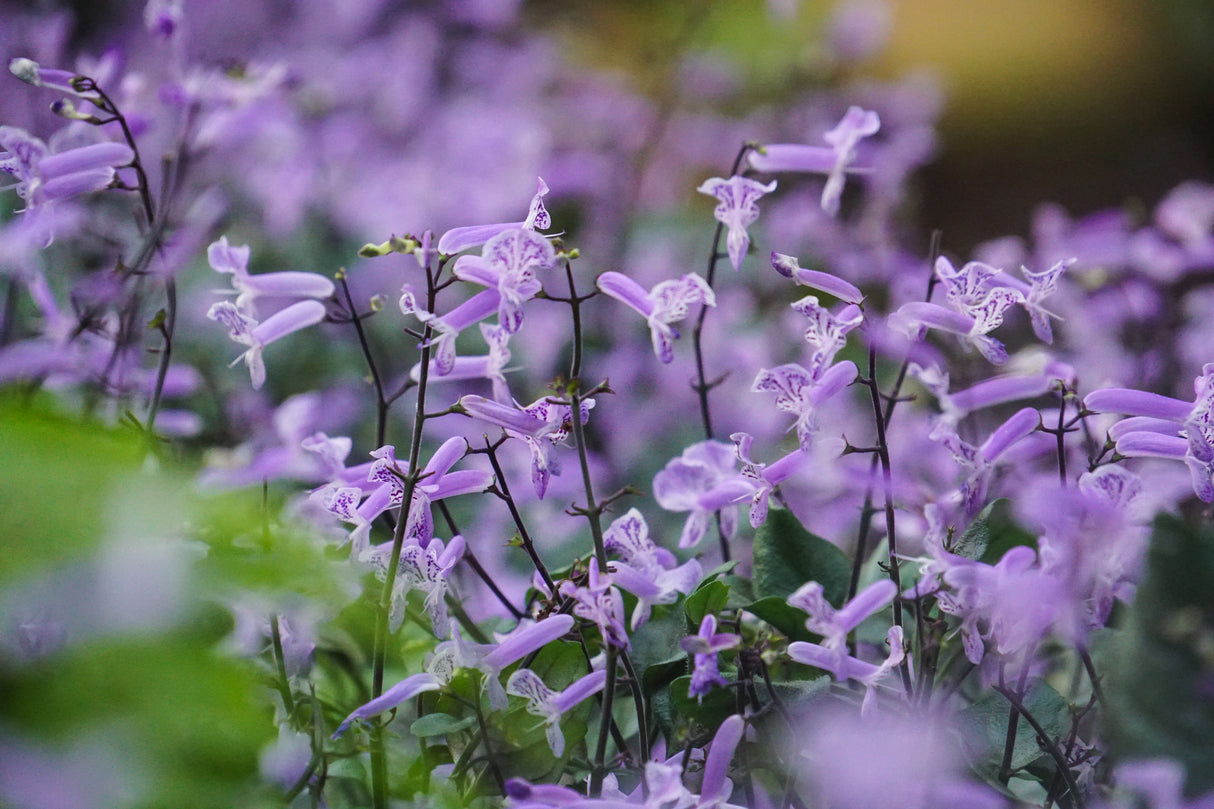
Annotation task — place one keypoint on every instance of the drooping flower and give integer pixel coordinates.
(737, 209)
(704, 647)
(541, 424)
(835, 625)
(846, 667)
(601, 603)
(765, 477)
(642, 571)
(979, 462)
(666, 303)
(491, 658)
(542, 701)
(827, 331)
(1192, 438)
(245, 330)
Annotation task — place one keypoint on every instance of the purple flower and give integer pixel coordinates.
(704, 647)
(551, 705)
(666, 303)
(701, 481)
(835, 625)
(541, 424)
(789, 267)
(765, 477)
(424, 569)
(834, 161)
(491, 658)
(826, 332)
(43, 177)
(799, 392)
(645, 571)
(459, 239)
(234, 261)
(845, 667)
(403, 691)
(448, 326)
(1193, 439)
(600, 603)
(446, 367)
(915, 318)
(245, 330)
(980, 461)
(507, 264)
(737, 210)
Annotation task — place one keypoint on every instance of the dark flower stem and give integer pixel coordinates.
(379, 759)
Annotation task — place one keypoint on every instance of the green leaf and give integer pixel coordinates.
(709, 599)
(986, 720)
(57, 476)
(787, 556)
(715, 707)
(991, 534)
(1158, 686)
(656, 653)
(786, 619)
(440, 724)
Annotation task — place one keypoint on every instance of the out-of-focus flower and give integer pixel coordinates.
(835, 625)
(704, 647)
(833, 161)
(702, 481)
(245, 330)
(799, 392)
(234, 261)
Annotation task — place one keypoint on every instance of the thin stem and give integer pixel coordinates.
(381, 402)
(379, 760)
(1047, 743)
(887, 480)
(283, 683)
(597, 769)
(524, 536)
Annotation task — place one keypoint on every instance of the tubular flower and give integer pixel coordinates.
(245, 330)
(737, 209)
(666, 303)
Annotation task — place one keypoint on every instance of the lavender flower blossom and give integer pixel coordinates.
(403, 691)
(980, 461)
(765, 477)
(834, 161)
(702, 481)
(245, 330)
(507, 263)
(491, 658)
(835, 625)
(915, 318)
(800, 393)
(425, 569)
(542, 424)
(445, 367)
(704, 646)
(846, 667)
(601, 603)
(1193, 440)
(789, 267)
(737, 210)
(44, 177)
(826, 332)
(551, 705)
(641, 573)
(448, 326)
(234, 261)
(459, 239)
(666, 303)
